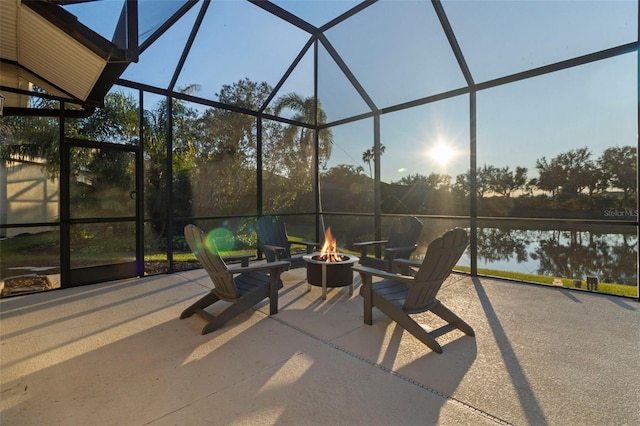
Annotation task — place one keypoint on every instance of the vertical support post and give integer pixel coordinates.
(168, 216)
(64, 206)
(473, 185)
(259, 154)
(139, 177)
(319, 217)
(377, 220)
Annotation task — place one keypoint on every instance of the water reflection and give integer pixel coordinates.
(571, 253)
(497, 244)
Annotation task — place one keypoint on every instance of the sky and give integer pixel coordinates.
(398, 52)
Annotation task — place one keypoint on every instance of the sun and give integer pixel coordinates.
(442, 153)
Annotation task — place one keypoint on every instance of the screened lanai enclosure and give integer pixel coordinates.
(123, 121)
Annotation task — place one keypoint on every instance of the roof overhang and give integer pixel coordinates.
(43, 45)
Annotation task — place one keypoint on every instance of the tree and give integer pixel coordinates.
(346, 187)
(223, 174)
(369, 155)
(305, 110)
(289, 153)
(462, 185)
(419, 194)
(619, 169)
(433, 182)
(185, 134)
(549, 177)
(39, 137)
(484, 178)
(505, 181)
(116, 122)
(570, 173)
(344, 172)
(28, 138)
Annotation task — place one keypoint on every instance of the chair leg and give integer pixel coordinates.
(274, 285)
(446, 314)
(212, 324)
(238, 307)
(406, 322)
(203, 302)
(366, 291)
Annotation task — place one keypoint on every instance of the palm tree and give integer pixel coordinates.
(305, 111)
(369, 155)
(308, 110)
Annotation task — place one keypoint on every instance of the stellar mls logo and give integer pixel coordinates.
(620, 213)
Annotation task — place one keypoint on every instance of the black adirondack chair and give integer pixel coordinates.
(243, 286)
(400, 244)
(276, 244)
(415, 291)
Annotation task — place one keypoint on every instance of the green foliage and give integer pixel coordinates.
(618, 169)
(505, 181)
(570, 172)
(116, 122)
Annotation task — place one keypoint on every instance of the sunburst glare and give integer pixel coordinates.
(442, 153)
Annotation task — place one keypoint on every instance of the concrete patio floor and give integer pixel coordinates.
(117, 354)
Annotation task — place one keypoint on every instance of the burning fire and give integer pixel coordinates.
(329, 251)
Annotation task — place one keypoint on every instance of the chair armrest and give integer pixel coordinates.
(409, 262)
(369, 243)
(391, 252)
(260, 267)
(310, 246)
(242, 258)
(363, 270)
(397, 249)
(363, 246)
(405, 264)
(277, 250)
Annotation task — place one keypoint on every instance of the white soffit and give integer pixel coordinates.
(55, 56)
(8, 28)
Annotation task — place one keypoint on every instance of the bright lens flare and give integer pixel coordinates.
(220, 240)
(442, 153)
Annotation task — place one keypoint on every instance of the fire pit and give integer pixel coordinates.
(328, 268)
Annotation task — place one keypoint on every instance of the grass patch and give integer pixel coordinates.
(609, 288)
(188, 257)
(45, 244)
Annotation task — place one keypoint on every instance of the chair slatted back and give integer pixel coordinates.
(442, 255)
(272, 231)
(206, 251)
(404, 233)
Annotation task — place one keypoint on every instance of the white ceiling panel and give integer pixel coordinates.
(55, 56)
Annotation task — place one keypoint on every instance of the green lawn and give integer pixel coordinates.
(609, 288)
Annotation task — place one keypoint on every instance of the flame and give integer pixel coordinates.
(329, 251)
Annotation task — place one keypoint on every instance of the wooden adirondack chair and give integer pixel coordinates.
(276, 245)
(399, 295)
(400, 244)
(244, 287)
